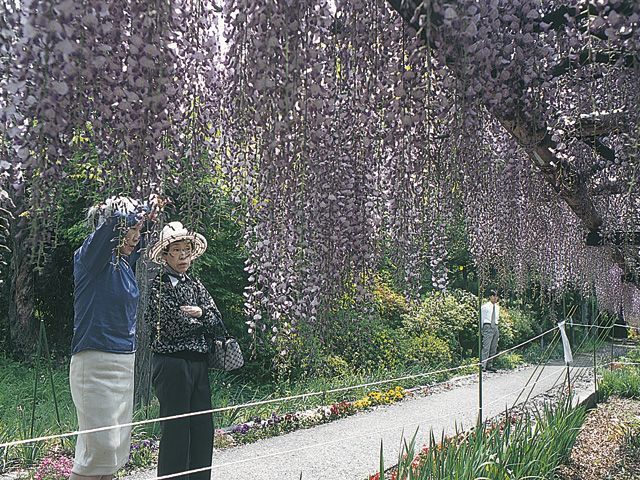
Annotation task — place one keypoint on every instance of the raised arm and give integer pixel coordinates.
(95, 253)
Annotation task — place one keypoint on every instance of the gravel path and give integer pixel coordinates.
(349, 448)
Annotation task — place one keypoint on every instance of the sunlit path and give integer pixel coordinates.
(348, 449)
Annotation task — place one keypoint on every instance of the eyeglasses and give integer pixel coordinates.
(177, 252)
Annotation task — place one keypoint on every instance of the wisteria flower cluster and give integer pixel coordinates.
(346, 131)
(351, 134)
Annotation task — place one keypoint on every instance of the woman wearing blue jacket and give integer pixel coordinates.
(103, 346)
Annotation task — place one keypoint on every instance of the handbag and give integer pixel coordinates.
(225, 354)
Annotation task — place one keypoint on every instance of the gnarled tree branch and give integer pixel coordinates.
(535, 139)
(590, 57)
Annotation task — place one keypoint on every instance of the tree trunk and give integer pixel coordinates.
(145, 272)
(23, 326)
(535, 140)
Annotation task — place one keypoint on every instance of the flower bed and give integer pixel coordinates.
(259, 428)
(56, 466)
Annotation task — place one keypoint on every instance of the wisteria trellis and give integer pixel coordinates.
(348, 129)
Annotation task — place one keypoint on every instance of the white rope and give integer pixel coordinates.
(561, 375)
(630, 327)
(353, 437)
(607, 364)
(262, 402)
(223, 409)
(522, 344)
(285, 452)
(601, 327)
(614, 362)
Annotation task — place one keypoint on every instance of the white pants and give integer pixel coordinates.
(102, 391)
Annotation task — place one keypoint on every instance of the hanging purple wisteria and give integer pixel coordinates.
(349, 130)
(134, 80)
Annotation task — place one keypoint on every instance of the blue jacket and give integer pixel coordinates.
(105, 293)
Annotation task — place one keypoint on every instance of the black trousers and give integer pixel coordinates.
(181, 383)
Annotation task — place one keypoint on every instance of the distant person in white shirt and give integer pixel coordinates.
(490, 315)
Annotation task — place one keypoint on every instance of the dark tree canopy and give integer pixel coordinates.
(348, 129)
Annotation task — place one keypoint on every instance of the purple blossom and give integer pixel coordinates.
(346, 131)
(242, 428)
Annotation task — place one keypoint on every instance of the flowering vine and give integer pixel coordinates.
(348, 130)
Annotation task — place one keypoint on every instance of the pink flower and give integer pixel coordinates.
(54, 468)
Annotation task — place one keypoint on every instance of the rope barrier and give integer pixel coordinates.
(353, 437)
(369, 433)
(522, 344)
(560, 376)
(614, 362)
(602, 327)
(216, 410)
(546, 355)
(608, 364)
(223, 409)
(263, 402)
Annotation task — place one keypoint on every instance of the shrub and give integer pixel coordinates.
(536, 352)
(508, 361)
(363, 341)
(624, 382)
(380, 351)
(359, 336)
(505, 326)
(470, 366)
(451, 317)
(335, 365)
(516, 326)
(294, 355)
(390, 305)
(427, 349)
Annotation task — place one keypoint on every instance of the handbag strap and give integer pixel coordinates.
(226, 332)
(224, 327)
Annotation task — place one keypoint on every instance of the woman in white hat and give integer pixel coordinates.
(104, 332)
(182, 315)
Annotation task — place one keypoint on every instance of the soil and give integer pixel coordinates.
(608, 445)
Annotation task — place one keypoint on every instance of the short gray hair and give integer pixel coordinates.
(100, 212)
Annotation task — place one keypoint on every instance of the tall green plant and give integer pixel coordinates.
(531, 446)
(624, 379)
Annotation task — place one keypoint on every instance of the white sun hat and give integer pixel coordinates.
(175, 232)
